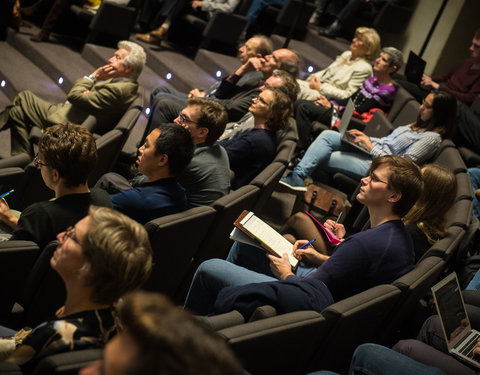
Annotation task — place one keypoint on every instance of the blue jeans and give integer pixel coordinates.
(373, 359)
(256, 7)
(474, 174)
(212, 276)
(255, 259)
(474, 284)
(332, 155)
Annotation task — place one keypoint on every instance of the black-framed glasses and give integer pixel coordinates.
(70, 233)
(37, 163)
(185, 119)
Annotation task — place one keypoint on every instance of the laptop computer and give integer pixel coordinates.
(414, 68)
(459, 335)
(372, 130)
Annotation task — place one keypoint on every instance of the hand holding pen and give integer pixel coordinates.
(335, 227)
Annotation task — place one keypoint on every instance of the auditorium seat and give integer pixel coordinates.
(175, 239)
(267, 181)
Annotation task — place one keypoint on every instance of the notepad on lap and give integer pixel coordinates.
(264, 235)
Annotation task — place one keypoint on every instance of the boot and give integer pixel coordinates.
(331, 31)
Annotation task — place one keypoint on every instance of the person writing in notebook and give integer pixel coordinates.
(373, 257)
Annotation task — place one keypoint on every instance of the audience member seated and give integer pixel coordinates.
(207, 177)
(346, 74)
(425, 222)
(253, 150)
(468, 128)
(233, 95)
(463, 82)
(66, 156)
(375, 256)
(430, 347)
(343, 11)
(103, 256)
(107, 100)
(159, 338)
(170, 10)
(474, 174)
(279, 79)
(168, 149)
(48, 13)
(375, 92)
(369, 359)
(418, 141)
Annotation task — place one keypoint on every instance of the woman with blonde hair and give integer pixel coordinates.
(349, 70)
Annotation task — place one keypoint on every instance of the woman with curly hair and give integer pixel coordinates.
(251, 152)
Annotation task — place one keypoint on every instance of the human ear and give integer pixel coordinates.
(395, 197)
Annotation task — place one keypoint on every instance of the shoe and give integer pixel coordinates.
(294, 182)
(331, 31)
(149, 38)
(42, 36)
(161, 33)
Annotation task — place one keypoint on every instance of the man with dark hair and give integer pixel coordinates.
(167, 151)
(66, 156)
(104, 94)
(207, 176)
(376, 256)
(160, 338)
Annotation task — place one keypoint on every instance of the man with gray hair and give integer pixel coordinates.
(104, 94)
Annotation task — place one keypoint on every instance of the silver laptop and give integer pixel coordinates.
(459, 335)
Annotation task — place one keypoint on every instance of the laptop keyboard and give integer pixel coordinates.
(468, 348)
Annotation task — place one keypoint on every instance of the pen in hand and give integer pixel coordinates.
(7, 193)
(308, 243)
(336, 222)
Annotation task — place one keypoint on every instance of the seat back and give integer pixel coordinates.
(175, 239)
(450, 158)
(66, 363)
(255, 343)
(414, 285)
(44, 291)
(446, 247)
(285, 151)
(109, 146)
(355, 320)
(17, 259)
(402, 97)
(408, 114)
(267, 181)
(460, 214)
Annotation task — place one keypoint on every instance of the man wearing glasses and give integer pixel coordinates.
(207, 177)
(168, 149)
(67, 154)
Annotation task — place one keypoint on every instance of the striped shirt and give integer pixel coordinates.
(418, 145)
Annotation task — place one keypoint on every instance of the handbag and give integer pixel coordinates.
(326, 201)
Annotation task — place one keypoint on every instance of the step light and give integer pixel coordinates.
(169, 76)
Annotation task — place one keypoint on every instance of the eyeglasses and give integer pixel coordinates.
(184, 119)
(70, 233)
(374, 178)
(475, 45)
(426, 105)
(37, 163)
(261, 100)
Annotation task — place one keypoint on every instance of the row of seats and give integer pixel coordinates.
(308, 340)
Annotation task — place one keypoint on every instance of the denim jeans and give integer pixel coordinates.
(212, 276)
(256, 7)
(332, 155)
(255, 259)
(474, 284)
(474, 174)
(373, 359)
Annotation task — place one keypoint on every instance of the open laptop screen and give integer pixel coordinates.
(451, 309)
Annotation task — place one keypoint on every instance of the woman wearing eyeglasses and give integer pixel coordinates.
(418, 141)
(252, 151)
(66, 156)
(102, 257)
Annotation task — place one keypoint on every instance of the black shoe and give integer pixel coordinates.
(331, 31)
